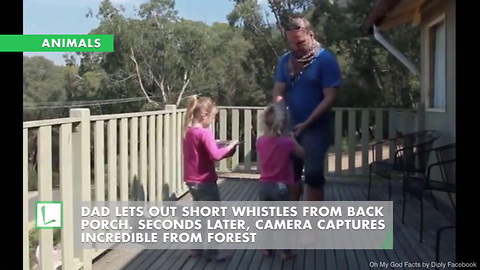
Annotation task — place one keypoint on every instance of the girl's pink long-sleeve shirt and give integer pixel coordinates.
(200, 151)
(275, 154)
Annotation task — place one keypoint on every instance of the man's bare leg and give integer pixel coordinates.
(297, 191)
(315, 143)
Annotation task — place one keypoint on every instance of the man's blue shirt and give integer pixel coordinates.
(305, 92)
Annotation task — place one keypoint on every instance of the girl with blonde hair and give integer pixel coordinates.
(275, 149)
(200, 151)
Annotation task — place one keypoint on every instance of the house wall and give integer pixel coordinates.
(442, 121)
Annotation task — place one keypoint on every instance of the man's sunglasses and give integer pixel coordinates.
(290, 24)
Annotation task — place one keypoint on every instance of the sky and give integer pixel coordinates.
(68, 16)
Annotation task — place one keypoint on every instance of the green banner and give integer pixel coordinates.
(56, 43)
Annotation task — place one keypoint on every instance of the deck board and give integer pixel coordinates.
(407, 246)
(410, 231)
(359, 255)
(241, 258)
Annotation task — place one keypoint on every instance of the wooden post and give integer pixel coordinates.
(420, 116)
(81, 172)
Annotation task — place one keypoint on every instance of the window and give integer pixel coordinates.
(436, 55)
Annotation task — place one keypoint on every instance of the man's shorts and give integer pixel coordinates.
(315, 141)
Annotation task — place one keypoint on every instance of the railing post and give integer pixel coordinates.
(223, 136)
(172, 166)
(81, 172)
(420, 116)
(351, 140)
(44, 141)
(26, 220)
(338, 141)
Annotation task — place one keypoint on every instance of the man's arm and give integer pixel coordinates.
(330, 96)
(280, 87)
(279, 90)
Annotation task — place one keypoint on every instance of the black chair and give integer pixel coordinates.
(439, 234)
(417, 185)
(403, 158)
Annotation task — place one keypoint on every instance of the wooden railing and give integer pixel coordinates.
(137, 156)
(349, 153)
(120, 157)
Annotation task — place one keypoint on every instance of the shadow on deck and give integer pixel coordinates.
(407, 247)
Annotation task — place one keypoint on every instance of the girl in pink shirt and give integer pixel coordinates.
(200, 151)
(275, 149)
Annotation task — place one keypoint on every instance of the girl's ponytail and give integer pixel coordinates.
(191, 105)
(280, 119)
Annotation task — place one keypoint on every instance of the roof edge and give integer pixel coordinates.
(377, 16)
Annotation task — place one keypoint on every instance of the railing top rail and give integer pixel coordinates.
(242, 107)
(131, 115)
(126, 115)
(334, 108)
(50, 122)
(374, 109)
(67, 120)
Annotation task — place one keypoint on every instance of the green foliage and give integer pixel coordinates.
(165, 58)
(152, 106)
(34, 237)
(372, 76)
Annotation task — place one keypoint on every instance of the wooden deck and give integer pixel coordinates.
(407, 247)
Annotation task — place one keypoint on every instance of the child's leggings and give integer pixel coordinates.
(271, 191)
(205, 192)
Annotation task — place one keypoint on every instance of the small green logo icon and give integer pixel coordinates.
(48, 215)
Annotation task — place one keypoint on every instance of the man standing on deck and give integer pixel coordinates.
(307, 80)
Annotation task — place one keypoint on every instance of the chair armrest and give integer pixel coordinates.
(413, 146)
(441, 163)
(384, 141)
(409, 147)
